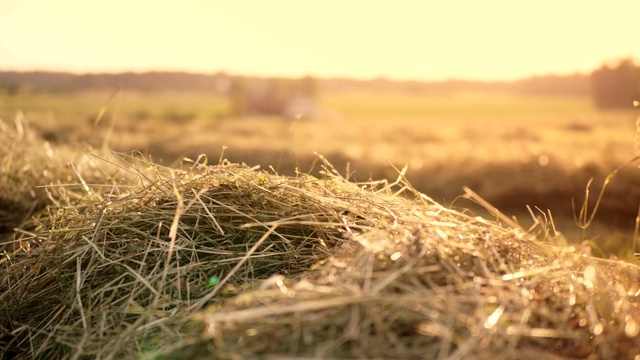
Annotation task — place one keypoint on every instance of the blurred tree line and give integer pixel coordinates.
(610, 86)
(60, 82)
(553, 85)
(616, 86)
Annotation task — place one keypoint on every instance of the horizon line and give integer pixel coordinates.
(276, 76)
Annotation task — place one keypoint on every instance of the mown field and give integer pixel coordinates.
(106, 254)
(512, 151)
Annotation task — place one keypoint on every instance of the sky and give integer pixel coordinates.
(423, 40)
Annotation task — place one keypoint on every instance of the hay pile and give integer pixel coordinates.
(33, 174)
(228, 261)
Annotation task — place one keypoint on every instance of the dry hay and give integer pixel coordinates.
(228, 261)
(31, 167)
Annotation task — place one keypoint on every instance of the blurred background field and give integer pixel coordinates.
(513, 149)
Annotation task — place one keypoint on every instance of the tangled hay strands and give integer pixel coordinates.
(441, 285)
(114, 276)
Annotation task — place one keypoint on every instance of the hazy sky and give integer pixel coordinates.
(475, 39)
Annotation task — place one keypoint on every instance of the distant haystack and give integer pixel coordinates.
(291, 99)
